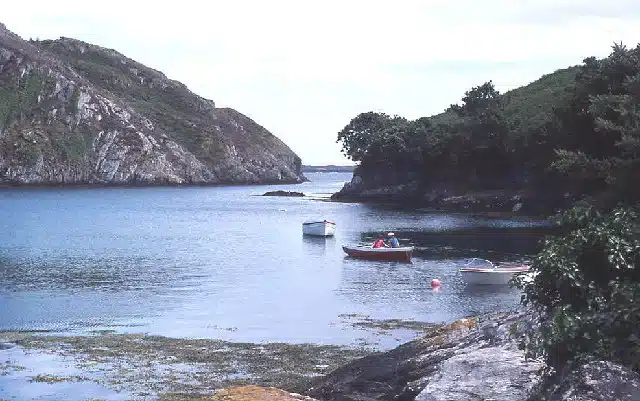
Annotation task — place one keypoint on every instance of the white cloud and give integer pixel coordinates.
(304, 69)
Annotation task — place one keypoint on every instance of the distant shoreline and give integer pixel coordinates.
(331, 168)
(6, 185)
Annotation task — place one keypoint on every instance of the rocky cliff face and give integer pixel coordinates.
(76, 113)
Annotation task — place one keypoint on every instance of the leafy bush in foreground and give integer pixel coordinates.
(586, 288)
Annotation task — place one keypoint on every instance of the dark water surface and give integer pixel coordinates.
(224, 263)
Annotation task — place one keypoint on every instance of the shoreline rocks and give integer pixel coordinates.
(451, 362)
(284, 193)
(472, 359)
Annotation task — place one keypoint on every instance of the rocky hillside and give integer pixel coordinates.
(76, 113)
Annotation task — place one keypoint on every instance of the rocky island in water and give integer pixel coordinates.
(73, 113)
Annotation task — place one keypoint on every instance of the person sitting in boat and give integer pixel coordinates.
(393, 240)
(379, 243)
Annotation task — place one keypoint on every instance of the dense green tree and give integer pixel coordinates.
(478, 137)
(572, 131)
(599, 131)
(482, 117)
(372, 135)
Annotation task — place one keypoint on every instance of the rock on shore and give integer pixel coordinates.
(452, 362)
(471, 359)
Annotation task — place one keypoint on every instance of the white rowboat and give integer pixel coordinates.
(322, 228)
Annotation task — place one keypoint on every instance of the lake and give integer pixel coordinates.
(224, 262)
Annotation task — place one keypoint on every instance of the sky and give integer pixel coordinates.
(304, 69)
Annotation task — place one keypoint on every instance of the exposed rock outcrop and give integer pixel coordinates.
(76, 113)
(472, 359)
(593, 381)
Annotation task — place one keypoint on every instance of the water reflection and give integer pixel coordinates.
(371, 282)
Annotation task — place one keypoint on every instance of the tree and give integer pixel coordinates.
(373, 136)
(479, 137)
(482, 116)
(600, 146)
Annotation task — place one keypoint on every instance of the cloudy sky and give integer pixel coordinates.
(303, 69)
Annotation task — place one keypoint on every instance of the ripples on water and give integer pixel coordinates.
(225, 263)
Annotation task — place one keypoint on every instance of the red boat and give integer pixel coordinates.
(367, 252)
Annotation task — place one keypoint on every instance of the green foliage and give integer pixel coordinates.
(375, 136)
(576, 130)
(586, 286)
(599, 130)
(482, 116)
(529, 108)
(18, 100)
(486, 141)
(72, 146)
(8, 104)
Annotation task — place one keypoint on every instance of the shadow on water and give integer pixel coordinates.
(496, 243)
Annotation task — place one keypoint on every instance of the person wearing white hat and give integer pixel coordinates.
(393, 240)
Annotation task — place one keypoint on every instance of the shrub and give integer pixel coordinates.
(586, 290)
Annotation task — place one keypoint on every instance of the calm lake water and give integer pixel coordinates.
(225, 263)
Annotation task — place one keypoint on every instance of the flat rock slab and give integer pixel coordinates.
(257, 393)
(490, 373)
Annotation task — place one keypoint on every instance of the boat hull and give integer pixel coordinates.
(387, 254)
(496, 276)
(319, 228)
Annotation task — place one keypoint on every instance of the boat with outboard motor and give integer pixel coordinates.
(484, 272)
(367, 252)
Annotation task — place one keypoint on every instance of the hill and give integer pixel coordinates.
(530, 105)
(490, 152)
(76, 113)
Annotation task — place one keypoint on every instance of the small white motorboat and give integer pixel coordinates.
(484, 272)
(321, 228)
